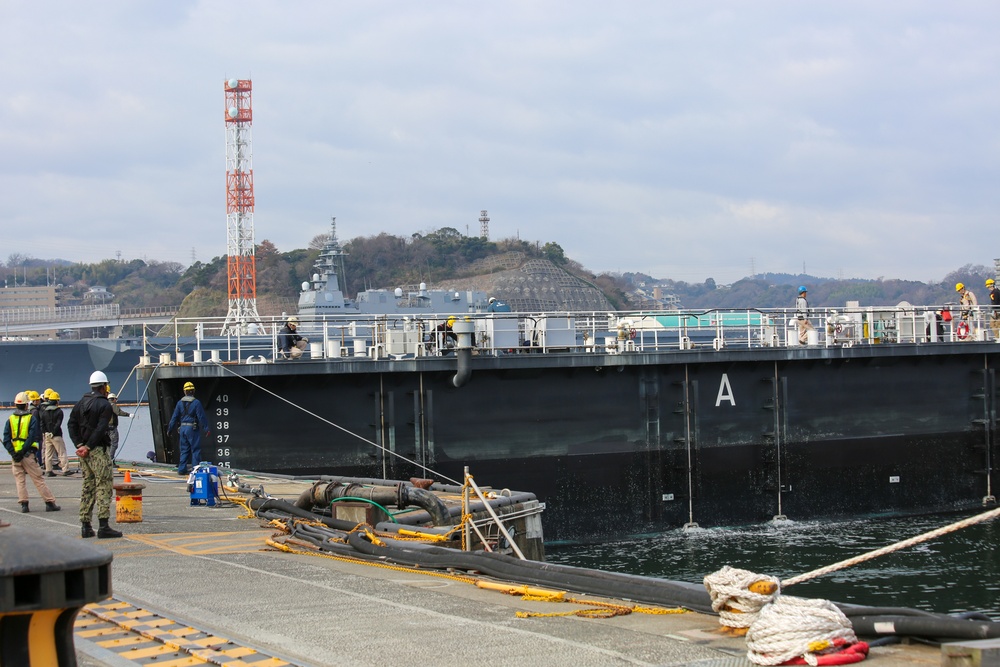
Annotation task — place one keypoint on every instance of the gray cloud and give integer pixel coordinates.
(676, 139)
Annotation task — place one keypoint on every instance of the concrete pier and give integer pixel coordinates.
(209, 571)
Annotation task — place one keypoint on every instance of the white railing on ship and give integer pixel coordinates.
(401, 337)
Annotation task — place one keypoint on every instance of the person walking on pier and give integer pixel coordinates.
(88, 429)
(20, 439)
(991, 285)
(290, 344)
(190, 420)
(802, 314)
(52, 436)
(113, 426)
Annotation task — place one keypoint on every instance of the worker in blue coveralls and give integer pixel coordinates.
(497, 306)
(190, 420)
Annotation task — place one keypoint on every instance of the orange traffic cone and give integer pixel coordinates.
(128, 476)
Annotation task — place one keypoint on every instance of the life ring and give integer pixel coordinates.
(631, 333)
(962, 331)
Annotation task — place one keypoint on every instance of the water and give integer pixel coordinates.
(957, 572)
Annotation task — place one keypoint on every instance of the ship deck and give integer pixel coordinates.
(205, 576)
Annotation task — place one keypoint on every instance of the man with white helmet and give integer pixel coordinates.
(290, 344)
(190, 420)
(21, 434)
(88, 428)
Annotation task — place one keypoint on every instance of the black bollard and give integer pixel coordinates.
(45, 579)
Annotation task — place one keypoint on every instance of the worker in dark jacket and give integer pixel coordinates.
(88, 429)
(190, 421)
(290, 344)
(52, 435)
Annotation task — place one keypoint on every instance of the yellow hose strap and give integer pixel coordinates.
(423, 536)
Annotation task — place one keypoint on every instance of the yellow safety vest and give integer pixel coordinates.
(19, 433)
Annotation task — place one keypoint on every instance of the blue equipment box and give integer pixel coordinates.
(204, 485)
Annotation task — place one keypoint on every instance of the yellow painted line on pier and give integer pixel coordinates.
(202, 544)
(144, 637)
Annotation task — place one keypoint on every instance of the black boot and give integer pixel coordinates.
(24, 507)
(51, 507)
(86, 530)
(106, 531)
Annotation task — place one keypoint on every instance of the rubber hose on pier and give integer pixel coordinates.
(261, 504)
(400, 496)
(580, 580)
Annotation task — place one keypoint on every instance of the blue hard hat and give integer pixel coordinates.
(802, 288)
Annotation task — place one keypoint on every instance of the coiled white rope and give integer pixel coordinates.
(793, 627)
(732, 598)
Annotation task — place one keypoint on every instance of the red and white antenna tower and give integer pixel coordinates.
(242, 261)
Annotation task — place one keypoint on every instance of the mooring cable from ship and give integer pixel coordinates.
(385, 450)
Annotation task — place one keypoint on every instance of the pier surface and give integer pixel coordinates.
(205, 578)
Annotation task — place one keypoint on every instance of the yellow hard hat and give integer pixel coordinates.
(21, 398)
(47, 392)
(959, 287)
(189, 385)
(53, 395)
(32, 395)
(990, 281)
(451, 320)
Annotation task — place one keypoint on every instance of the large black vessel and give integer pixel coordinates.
(624, 423)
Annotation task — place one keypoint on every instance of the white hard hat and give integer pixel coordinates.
(97, 377)
(112, 395)
(492, 299)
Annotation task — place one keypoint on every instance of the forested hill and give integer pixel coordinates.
(534, 275)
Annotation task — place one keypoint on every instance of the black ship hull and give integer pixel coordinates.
(624, 444)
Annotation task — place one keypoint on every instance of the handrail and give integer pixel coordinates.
(400, 336)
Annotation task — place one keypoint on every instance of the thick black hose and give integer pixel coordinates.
(563, 577)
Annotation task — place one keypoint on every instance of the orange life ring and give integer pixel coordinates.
(962, 330)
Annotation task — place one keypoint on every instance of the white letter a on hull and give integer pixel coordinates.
(725, 392)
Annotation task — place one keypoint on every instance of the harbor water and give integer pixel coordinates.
(954, 573)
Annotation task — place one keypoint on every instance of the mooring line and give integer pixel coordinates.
(337, 426)
(937, 532)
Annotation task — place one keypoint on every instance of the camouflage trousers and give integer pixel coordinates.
(97, 481)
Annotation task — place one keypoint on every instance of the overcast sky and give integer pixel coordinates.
(685, 140)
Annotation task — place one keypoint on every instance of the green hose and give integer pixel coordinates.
(365, 500)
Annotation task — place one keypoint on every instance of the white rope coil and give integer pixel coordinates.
(732, 599)
(793, 627)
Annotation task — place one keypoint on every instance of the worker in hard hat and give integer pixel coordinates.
(88, 429)
(113, 426)
(969, 304)
(802, 315)
(994, 293)
(446, 337)
(35, 406)
(20, 438)
(190, 421)
(52, 435)
(497, 306)
(290, 344)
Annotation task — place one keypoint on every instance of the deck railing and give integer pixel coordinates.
(405, 337)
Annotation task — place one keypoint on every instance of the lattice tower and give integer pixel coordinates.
(484, 225)
(241, 262)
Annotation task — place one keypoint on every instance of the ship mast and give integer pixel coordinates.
(241, 262)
